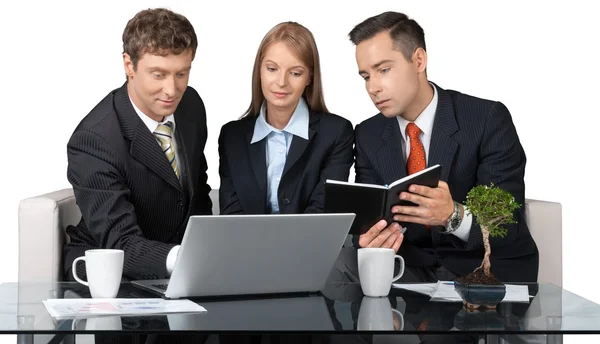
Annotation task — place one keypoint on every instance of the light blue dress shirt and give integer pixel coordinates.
(278, 145)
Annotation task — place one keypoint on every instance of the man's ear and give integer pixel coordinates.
(420, 60)
(128, 65)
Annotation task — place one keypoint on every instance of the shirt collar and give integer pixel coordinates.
(425, 120)
(298, 124)
(149, 122)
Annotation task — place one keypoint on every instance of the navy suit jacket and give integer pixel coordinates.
(327, 154)
(476, 143)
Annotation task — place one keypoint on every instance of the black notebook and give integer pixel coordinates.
(371, 202)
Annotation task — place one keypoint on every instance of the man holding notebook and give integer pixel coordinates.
(421, 125)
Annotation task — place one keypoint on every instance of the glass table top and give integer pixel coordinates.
(338, 308)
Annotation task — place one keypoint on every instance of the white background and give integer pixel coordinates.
(541, 59)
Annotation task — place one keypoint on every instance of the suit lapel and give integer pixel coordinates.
(442, 148)
(299, 144)
(258, 158)
(144, 147)
(391, 156)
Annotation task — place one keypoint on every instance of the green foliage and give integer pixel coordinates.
(493, 207)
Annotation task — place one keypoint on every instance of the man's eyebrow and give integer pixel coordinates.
(375, 66)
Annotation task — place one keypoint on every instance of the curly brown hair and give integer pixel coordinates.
(158, 31)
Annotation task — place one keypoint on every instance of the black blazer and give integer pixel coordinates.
(129, 196)
(327, 154)
(476, 142)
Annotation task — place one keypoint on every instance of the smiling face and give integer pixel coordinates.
(158, 83)
(393, 82)
(283, 77)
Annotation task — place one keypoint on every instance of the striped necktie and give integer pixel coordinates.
(164, 136)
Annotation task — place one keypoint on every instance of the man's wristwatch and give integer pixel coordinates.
(454, 220)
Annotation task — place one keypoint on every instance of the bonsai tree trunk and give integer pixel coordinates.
(485, 265)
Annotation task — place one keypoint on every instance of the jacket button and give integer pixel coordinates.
(180, 202)
(285, 201)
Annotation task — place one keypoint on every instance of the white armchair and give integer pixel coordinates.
(42, 222)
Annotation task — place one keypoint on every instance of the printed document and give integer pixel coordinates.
(86, 308)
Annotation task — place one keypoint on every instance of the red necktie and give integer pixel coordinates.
(416, 159)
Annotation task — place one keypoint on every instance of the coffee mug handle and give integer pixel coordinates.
(401, 272)
(401, 317)
(75, 271)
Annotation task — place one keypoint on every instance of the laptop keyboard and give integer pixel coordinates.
(162, 287)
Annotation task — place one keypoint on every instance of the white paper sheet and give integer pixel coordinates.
(85, 308)
(444, 291)
(421, 288)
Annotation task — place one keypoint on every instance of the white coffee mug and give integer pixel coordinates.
(104, 269)
(376, 270)
(377, 314)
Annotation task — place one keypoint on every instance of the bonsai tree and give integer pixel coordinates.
(493, 207)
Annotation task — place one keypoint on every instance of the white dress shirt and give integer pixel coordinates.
(425, 122)
(152, 124)
(278, 143)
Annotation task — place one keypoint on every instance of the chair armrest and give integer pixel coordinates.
(544, 220)
(42, 223)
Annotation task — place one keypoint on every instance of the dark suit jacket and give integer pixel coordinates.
(129, 196)
(476, 142)
(327, 154)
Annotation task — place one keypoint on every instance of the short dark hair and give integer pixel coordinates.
(405, 32)
(158, 31)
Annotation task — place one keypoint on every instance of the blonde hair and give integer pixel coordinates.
(300, 40)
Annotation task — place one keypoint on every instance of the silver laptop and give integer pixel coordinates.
(254, 254)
